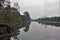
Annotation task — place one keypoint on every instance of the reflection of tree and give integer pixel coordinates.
(26, 21)
(27, 27)
(52, 24)
(26, 24)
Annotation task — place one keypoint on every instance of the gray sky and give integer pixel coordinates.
(38, 8)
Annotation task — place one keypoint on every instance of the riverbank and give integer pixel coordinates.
(48, 20)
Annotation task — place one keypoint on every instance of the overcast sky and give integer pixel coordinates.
(38, 8)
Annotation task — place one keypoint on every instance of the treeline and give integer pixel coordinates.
(49, 19)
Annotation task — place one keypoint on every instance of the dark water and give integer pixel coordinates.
(40, 32)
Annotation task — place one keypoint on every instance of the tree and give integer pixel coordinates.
(26, 13)
(6, 3)
(16, 6)
(2, 1)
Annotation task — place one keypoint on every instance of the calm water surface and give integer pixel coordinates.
(40, 32)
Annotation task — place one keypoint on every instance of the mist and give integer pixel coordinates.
(39, 8)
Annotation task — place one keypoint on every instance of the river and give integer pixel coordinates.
(40, 32)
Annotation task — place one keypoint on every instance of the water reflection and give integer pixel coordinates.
(41, 31)
(52, 24)
(25, 29)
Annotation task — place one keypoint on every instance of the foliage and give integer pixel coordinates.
(10, 14)
(49, 19)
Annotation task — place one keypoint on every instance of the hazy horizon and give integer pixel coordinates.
(38, 8)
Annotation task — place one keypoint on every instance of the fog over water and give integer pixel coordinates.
(39, 32)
